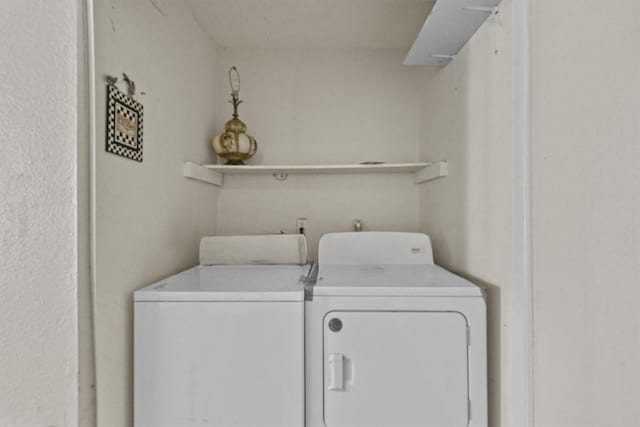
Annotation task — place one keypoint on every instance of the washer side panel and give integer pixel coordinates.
(219, 364)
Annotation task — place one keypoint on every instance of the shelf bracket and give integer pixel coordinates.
(199, 173)
(443, 56)
(492, 10)
(281, 175)
(433, 171)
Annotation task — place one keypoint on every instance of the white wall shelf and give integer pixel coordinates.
(449, 27)
(214, 174)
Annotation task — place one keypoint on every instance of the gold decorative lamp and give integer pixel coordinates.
(234, 145)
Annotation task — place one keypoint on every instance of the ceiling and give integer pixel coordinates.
(324, 24)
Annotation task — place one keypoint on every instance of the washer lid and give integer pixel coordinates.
(230, 283)
(391, 280)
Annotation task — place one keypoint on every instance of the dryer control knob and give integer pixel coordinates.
(335, 324)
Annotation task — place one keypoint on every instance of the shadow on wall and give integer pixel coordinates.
(493, 295)
(264, 205)
(466, 120)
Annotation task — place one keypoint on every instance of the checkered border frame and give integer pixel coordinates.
(114, 97)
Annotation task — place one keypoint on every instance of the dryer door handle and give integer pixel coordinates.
(336, 372)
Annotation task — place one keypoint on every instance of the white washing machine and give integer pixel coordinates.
(392, 340)
(223, 345)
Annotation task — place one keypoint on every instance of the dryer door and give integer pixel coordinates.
(395, 369)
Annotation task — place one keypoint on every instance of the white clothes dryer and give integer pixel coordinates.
(392, 340)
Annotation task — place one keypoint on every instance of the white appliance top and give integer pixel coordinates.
(230, 283)
(384, 264)
(391, 280)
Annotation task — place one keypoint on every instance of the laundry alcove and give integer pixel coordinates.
(323, 84)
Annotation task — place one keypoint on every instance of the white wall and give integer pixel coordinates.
(149, 218)
(586, 210)
(322, 107)
(586, 238)
(38, 258)
(339, 106)
(466, 120)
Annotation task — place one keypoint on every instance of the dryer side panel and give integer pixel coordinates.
(392, 368)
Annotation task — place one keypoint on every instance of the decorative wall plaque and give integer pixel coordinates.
(124, 124)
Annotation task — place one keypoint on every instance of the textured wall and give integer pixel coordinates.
(466, 119)
(38, 279)
(320, 106)
(586, 212)
(150, 218)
